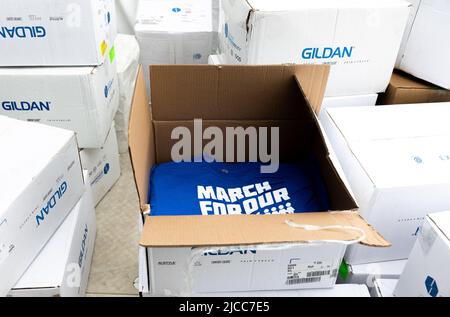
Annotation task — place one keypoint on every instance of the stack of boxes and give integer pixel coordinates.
(58, 68)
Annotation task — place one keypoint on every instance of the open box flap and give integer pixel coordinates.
(196, 231)
(266, 95)
(141, 139)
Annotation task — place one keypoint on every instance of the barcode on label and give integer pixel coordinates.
(302, 280)
(318, 273)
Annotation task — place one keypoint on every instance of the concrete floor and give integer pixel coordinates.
(114, 269)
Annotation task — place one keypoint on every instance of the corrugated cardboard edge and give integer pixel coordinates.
(196, 231)
(140, 138)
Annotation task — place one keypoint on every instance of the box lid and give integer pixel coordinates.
(284, 5)
(27, 148)
(442, 221)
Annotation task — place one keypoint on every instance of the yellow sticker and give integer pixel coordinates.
(103, 47)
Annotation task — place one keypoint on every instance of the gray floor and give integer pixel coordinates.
(114, 268)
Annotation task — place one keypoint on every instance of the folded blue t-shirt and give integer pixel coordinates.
(191, 188)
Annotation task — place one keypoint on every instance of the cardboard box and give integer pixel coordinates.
(425, 54)
(103, 166)
(426, 273)
(176, 32)
(127, 51)
(347, 101)
(368, 273)
(404, 88)
(40, 182)
(62, 267)
(274, 96)
(56, 33)
(81, 99)
(396, 161)
(383, 288)
(359, 39)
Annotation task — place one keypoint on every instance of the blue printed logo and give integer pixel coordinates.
(83, 246)
(431, 286)
(108, 88)
(176, 9)
(108, 17)
(197, 56)
(22, 31)
(418, 159)
(26, 105)
(51, 203)
(327, 52)
(106, 168)
(230, 252)
(226, 29)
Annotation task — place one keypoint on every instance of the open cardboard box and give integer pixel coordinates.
(285, 96)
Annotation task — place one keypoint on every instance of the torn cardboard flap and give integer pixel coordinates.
(196, 231)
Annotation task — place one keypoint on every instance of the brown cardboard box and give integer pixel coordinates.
(242, 95)
(404, 88)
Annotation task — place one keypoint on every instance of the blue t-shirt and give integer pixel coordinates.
(190, 188)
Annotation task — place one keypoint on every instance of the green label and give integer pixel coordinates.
(112, 54)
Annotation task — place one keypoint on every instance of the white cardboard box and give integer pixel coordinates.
(40, 182)
(127, 54)
(56, 32)
(426, 273)
(409, 23)
(360, 39)
(62, 268)
(103, 166)
(81, 99)
(383, 287)
(397, 161)
(367, 273)
(347, 101)
(176, 32)
(181, 271)
(426, 49)
(341, 290)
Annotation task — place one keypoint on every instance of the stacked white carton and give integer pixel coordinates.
(40, 182)
(127, 49)
(359, 39)
(426, 272)
(397, 162)
(176, 31)
(62, 268)
(425, 47)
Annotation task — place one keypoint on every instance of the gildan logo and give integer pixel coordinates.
(257, 198)
(51, 203)
(431, 286)
(327, 52)
(22, 32)
(230, 252)
(83, 246)
(176, 9)
(26, 105)
(106, 169)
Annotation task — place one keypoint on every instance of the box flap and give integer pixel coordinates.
(191, 231)
(232, 92)
(141, 139)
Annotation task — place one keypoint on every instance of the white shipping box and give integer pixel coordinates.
(81, 99)
(56, 32)
(383, 287)
(409, 24)
(40, 182)
(347, 101)
(127, 52)
(426, 49)
(181, 271)
(176, 32)
(360, 39)
(397, 161)
(62, 268)
(426, 273)
(367, 273)
(103, 166)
